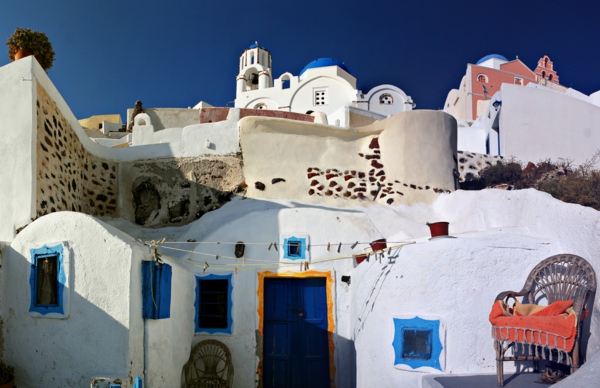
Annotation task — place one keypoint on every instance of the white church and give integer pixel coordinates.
(324, 85)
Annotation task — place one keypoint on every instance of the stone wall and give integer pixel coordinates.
(470, 163)
(369, 184)
(68, 177)
(176, 191)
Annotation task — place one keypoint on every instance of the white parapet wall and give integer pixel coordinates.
(536, 124)
(407, 158)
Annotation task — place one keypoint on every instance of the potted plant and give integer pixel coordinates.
(24, 42)
(7, 375)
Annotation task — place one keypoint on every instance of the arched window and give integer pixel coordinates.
(482, 78)
(546, 62)
(543, 74)
(386, 99)
(260, 105)
(550, 77)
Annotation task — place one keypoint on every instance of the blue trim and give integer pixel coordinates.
(41, 253)
(324, 62)
(497, 56)
(138, 382)
(416, 323)
(301, 255)
(156, 290)
(228, 329)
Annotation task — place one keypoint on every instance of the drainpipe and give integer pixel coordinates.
(145, 354)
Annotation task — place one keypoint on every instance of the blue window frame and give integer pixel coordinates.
(417, 342)
(47, 280)
(214, 304)
(294, 248)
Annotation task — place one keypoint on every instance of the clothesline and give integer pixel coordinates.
(265, 243)
(254, 264)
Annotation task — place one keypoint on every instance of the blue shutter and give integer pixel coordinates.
(156, 290)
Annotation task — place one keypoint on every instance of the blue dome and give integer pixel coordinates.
(254, 45)
(324, 62)
(497, 56)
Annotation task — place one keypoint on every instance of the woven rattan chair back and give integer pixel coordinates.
(561, 277)
(209, 366)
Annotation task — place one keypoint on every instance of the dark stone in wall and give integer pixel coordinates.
(181, 190)
(146, 200)
(259, 186)
(179, 210)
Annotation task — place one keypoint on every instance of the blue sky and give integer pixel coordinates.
(175, 53)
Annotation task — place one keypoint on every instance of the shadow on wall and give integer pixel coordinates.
(90, 344)
(179, 191)
(240, 225)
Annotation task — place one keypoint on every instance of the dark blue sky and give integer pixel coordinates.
(175, 53)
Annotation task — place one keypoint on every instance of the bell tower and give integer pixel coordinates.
(254, 70)
(545, 70)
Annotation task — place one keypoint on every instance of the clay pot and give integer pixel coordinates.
(378, 245)
(360, 258)
(22, 53)
(10, 384)
(438, 228)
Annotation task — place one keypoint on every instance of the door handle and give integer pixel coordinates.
(300, 313)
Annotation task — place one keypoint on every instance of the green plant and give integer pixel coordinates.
(36, 42)
(7, 373)
(508, 172)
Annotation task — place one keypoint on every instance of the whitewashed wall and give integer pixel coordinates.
(169, 341)
(102, 336)
(17, 107)
(237, 221)
(536, 124)
(500, 237)
(414, 158)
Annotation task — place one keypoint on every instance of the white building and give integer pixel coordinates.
(324, 85)
(303, 199)
(535, 122)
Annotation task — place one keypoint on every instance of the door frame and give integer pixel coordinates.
(330, 291)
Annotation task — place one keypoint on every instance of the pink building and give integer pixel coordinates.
(484, 78)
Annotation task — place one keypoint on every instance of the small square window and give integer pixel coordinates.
(213, 304)
(416, 344)
(294, 248)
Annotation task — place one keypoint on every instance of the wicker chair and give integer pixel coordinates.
(209, 366)
(559, 277)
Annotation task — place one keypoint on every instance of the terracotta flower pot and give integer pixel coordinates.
(438, 228)
(19, 55)
(10, 384)
(378, 245)
(360, 258)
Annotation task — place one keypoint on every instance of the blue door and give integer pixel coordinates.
(296, 346)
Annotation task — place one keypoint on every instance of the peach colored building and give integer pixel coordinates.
(484, 78)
